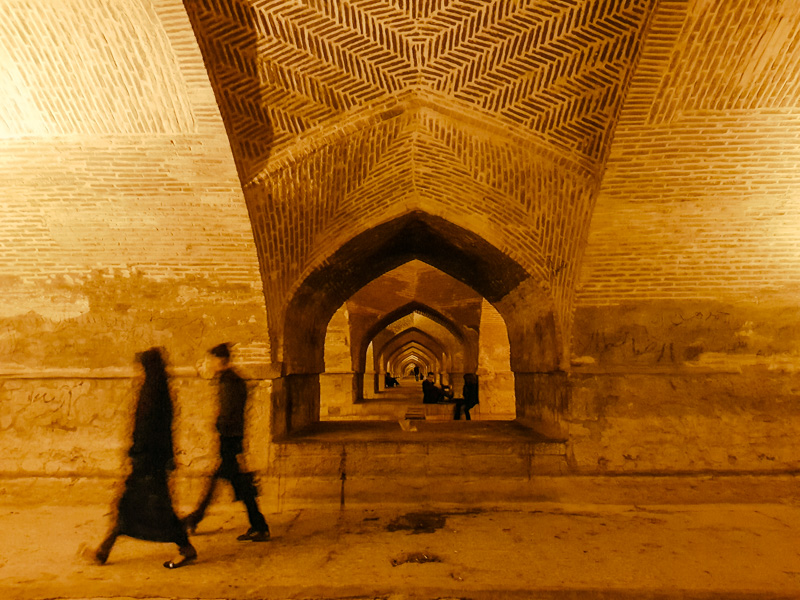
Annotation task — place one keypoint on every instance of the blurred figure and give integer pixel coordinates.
(389, 381)
(145, 509)
(232, 393)
(416, 372)
(470, 398)
(432, 393)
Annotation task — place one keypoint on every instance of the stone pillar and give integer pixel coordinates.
(337, 393)
(371, 385)
(258, 421)
(543, 401)
(358, 387)
(295, 402)
(495, 379)
(380, 382)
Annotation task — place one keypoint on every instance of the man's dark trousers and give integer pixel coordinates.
(244, 489)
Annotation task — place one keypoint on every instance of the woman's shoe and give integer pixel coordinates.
(181, 562)
(92, 556)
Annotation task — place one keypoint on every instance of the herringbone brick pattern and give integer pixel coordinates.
(551, 67)
(346, 114)
(527, 205)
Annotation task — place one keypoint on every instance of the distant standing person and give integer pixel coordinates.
(232, 394)
(416, 372)
(470, 396)
(145, 509)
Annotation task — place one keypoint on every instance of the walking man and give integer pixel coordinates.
(232, 391)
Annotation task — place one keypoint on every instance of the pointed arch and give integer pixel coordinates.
(425, 357)
(521, 299)
(416, 338)
(397, 314)
(461, 254)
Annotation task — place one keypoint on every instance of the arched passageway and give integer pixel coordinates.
(412, 342)
(410, 336)
(519, 298)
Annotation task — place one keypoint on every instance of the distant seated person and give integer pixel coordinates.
(390, 381)
(432, 393)
(470, 398)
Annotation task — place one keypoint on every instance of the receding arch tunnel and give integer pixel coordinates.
(521, 300)
(407, 343)
(457, 332)
(460, 253)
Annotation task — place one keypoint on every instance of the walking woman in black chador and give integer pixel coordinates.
(145, 509)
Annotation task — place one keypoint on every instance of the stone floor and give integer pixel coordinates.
(542, 550)
(425, 432)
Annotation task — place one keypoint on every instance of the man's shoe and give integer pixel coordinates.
(253, 535)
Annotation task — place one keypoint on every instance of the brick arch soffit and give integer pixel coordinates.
(413, 336)
(397, 314)
(405, 351)
(418, 338)
(462, 254)
(403, 366)
(408, 107)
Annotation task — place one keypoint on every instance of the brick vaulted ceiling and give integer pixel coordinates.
(551, 69)
(344, 113)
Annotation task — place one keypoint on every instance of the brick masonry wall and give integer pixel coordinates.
(495, 118)
(123, 226)
(701, 193)
(124, 223)
(343, 118)
(685, 337)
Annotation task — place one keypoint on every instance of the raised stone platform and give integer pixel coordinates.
(448, 461)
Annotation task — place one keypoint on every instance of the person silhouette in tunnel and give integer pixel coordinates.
(144, 511)
(232, 395)
(416, 372)
(470, 396)
(432, 393)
